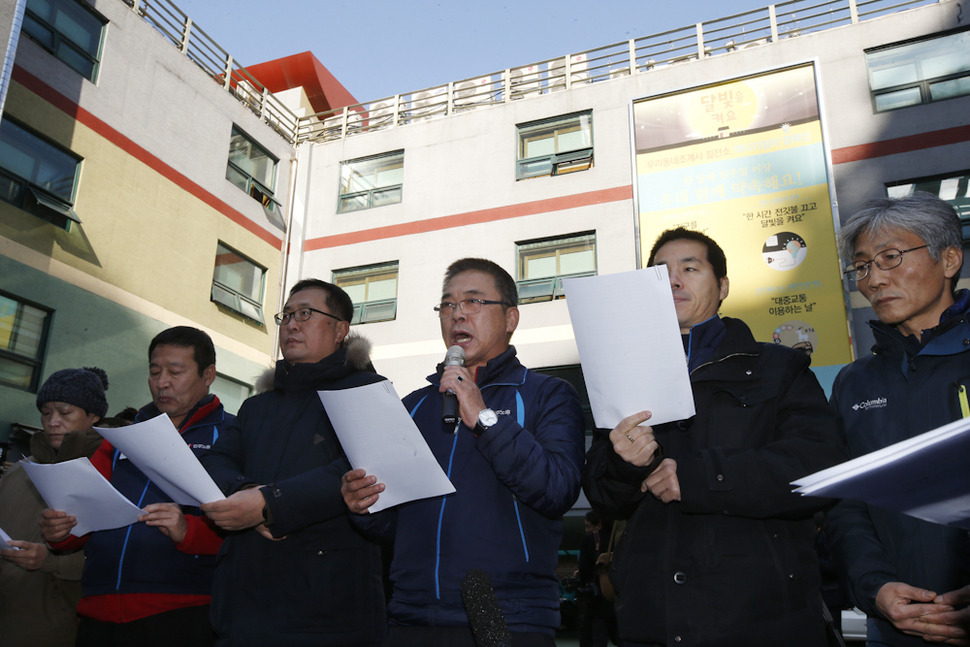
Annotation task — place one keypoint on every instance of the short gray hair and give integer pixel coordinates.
(924, 214)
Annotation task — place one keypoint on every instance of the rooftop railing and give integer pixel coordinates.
(175, 25)
(754, 28)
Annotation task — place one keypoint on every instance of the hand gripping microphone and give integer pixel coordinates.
(449, 405)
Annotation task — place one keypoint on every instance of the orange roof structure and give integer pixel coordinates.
(304, 70)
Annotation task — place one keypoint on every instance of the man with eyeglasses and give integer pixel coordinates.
(293, 570)
(514, 457)
(910, 576)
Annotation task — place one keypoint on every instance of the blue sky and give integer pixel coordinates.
(382, 48)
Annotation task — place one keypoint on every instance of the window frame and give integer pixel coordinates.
(346, 198)
(256, 189)
(935, 184)
(559, 162)
(922, 85)
(36, 363)
(231, 298)
(229, 380)
(527, 250)
(59, 40)
(367, 272)
(30, 196)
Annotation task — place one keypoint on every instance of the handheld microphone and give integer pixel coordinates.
(449, 404)
(484, 614)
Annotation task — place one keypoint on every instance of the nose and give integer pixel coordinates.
(876, 277)
(675, 281)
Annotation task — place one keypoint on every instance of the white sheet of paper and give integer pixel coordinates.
(78, 489)
(385, 443)
(630, 346)
(157, 449)
(5, 541)
(925, 476)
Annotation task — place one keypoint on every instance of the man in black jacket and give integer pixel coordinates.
(293, 570)
(717, 549)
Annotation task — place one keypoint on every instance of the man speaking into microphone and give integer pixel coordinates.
(514, 455)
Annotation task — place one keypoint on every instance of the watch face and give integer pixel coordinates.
(487, 418)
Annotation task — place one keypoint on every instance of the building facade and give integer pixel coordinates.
(175, 188)
(136, 193)
(537, 168)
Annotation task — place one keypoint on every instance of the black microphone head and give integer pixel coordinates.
(455, 356)
(484, 614)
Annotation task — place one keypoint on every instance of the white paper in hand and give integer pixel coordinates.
(630, 346)
(385, 443)
(157, 449)
(5, 541)
(78, 489)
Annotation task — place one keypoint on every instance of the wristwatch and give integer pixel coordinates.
(486, 418)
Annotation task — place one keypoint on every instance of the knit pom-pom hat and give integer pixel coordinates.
(82, 387)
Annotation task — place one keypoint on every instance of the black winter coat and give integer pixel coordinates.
(733, 562)
(321, 583)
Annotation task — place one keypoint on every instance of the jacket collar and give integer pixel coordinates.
(203, 409)
(702, 339)
(933, 341)
(75, 445)
(352, 356)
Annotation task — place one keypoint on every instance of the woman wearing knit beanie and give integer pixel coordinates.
(40, 589)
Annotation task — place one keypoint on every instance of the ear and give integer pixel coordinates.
(511, 319)
(725, 285)
(342, 330)
(209, 375)
(952, 259)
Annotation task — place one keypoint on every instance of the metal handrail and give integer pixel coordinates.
(676, 46)
(176, 27)
(721, 36)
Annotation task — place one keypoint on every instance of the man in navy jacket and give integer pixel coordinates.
(150, 583)
(294, 571)
(911, 577)
(514, 457)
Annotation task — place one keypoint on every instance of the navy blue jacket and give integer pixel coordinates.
(320, 584)
(513, 485)
(139, 558)
(902, 390)
(732, 563)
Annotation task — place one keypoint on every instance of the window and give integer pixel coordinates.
(23, 337)
(954, 188)
(543, 264)
(371, 181)
(237, 283)
(69, 29)
(231, 392)
(253, 170)
(919, 72)
(373, 289)
(555, 146)
(37, 175)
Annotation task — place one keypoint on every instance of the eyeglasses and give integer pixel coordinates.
(468, 306)
(301, 314)
(887, 259)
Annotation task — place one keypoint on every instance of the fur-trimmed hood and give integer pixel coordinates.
(356, 347)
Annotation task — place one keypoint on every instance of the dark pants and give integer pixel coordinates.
(188, 627)
(455, 637)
